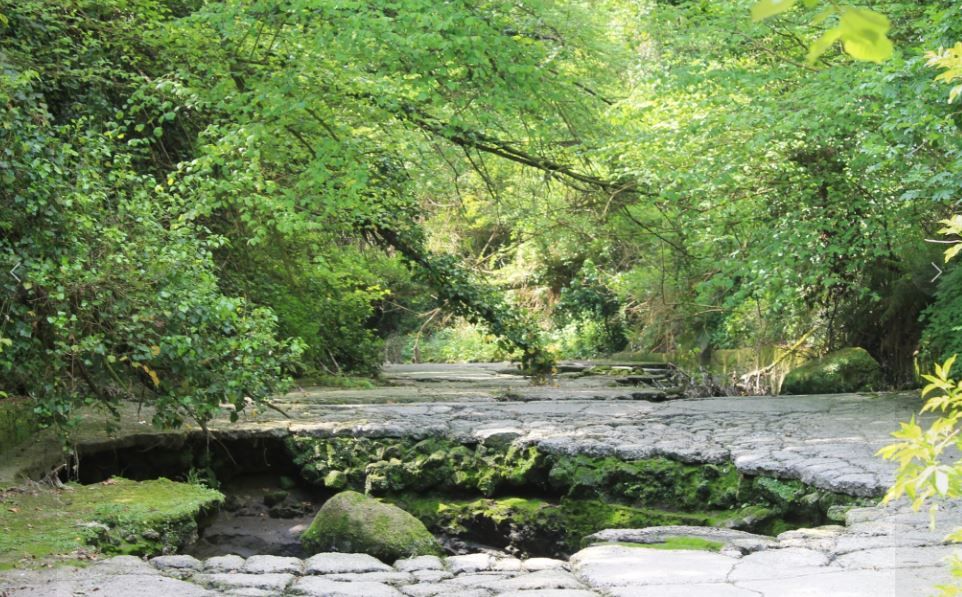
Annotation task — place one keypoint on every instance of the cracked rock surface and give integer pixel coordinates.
(826, 441)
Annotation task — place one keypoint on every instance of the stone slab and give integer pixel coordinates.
(340, 563)
(317, 586)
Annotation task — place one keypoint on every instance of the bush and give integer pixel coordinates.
(460, 343)
(115, 294)
(943, 319)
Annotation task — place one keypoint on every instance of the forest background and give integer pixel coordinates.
(199, 201)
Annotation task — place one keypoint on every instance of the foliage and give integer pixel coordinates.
(922, 473)
(863, 32)
(595, 312)
(200, 199)
(950, 61)
(943, 319)
(457, 343)
(115, 294)
(928, 467)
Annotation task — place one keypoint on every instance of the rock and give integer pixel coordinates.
(612, 566)
(498, 436)
(176, 563)
(249, 592)
(837, 513)
(335, 480)
(685, 590)
(790, 562)
(355, 523)
(343, 563)
(431, 576)
(419, 563)
(122, 565)
(537, 564)
(507, 565)
(742, 541)
(272, 565)
(474, 562)
(846, 370)
(443, 590)
(387, 578)
(272, 498)
(543, 580)
(551, 593)
(870, 583)
(321, 587)
(231, 581)
(233, 503)
(228, 563)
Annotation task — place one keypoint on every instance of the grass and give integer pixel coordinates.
(39, 525)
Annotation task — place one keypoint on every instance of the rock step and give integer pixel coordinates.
(347, 575)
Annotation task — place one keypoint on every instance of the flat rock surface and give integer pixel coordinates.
(826, 441)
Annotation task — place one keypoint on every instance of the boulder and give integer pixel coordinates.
(351, 522)
(846, 370)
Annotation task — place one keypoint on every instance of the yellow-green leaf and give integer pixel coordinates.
(822, 15)
(863, 33)
(769, 8)
(822, 44)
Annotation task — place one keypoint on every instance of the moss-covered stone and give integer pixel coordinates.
(469, 490)
(846, 370)
(537, 526)
(657, 482)
(392, 466)
(355, 523)
(381, 466)
(118, 516)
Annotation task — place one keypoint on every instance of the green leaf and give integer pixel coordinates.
(769, 8)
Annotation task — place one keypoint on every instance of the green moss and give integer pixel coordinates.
(691, 543)
(355, 523)
(116, 517)
(540, 526)
(846, 370)
(654, 482)
(682, 543)
(396, 465)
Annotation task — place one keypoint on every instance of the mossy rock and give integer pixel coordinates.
(352, 522)
(118, 516)
(846, 370)
(534, 526)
